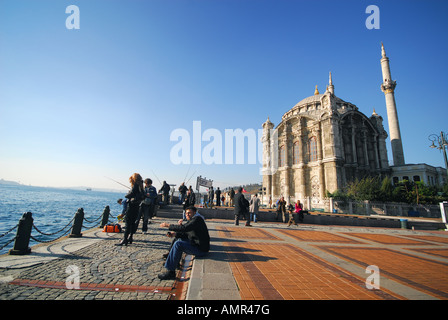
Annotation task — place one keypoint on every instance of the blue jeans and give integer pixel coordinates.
(176, 251)
(253, 216)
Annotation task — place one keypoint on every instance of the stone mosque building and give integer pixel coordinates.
(324, 142)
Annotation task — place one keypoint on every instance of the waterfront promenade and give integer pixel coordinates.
(268, 261)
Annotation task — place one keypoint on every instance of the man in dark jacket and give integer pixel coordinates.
(218, 197)
(241, 207)
(165, 191)
(196, 241)
(211, 196)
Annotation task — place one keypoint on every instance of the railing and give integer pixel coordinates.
(26, 226)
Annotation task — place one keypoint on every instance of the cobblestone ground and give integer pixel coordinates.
(106, 271)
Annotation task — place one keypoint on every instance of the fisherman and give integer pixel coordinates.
(165, 191)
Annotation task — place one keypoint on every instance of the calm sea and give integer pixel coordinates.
(52, 209)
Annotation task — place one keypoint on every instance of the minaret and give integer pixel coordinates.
(388, 87)
(330, 85)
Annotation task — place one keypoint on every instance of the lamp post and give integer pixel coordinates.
(442, 143)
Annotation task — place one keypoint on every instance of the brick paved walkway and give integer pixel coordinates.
(305, 263)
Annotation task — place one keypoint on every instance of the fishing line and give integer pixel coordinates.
(127, 187)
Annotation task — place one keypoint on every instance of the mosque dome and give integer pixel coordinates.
(310, 99)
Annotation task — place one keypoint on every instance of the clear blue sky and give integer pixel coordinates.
(77, 106)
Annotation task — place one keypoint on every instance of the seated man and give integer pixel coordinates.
(196, 241)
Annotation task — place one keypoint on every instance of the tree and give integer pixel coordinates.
(377, 189)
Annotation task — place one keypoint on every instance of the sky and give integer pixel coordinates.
(84, 107)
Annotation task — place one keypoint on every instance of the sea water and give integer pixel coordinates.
(52, 209)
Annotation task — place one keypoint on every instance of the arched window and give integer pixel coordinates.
(312, 149)
(282, 156)
(296, 153)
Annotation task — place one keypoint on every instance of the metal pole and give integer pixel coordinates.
(443, 144)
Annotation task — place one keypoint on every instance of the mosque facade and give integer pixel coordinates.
(321, 143)
(324, 142)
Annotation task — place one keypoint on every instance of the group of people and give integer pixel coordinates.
(295, 211)
(220, 197)
(187, 197)
(190, 234)
(211, 196)
(245, 208)
(191, 237)
(139, 203)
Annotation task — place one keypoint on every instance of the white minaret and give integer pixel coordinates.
(388, 87)
(330, 85)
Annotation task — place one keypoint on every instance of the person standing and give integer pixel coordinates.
(232, 197)
(241, 207)
(211, 196)
(165, 191)
(253, 207)
(135, 197)
(281, 209)
(148, 204)
(183, 192)
(218, 197)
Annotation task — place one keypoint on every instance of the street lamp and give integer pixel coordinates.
(442, 143)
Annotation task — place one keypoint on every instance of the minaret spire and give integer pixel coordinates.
(388, 87)
(330, 85)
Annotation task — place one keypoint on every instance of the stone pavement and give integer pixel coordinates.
(105, 271)
(268, 261)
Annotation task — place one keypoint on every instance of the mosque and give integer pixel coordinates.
(324, 142)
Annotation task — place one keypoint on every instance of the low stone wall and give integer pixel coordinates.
(315, 218)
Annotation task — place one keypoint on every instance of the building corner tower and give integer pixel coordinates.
(388, 87)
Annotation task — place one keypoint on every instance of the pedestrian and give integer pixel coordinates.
(195, 241)
(218, 197)
(165, 189)
(270, 202)
(253, 207)
(135, 197)
(232, 197)
(183, 192)
(148, 204)
(211, 196)
(281, 209)
(241, 207)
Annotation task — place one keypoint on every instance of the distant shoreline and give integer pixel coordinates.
(15, 183)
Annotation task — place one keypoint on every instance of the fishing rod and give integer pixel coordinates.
(190, 177)
(156, 177)
(187, 172)
(127, 187)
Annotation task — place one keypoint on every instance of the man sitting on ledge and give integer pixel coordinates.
(196, 242)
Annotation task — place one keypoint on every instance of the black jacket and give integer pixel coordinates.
(241, 204)
(189, 201)
(135, 195)
(196, 231)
